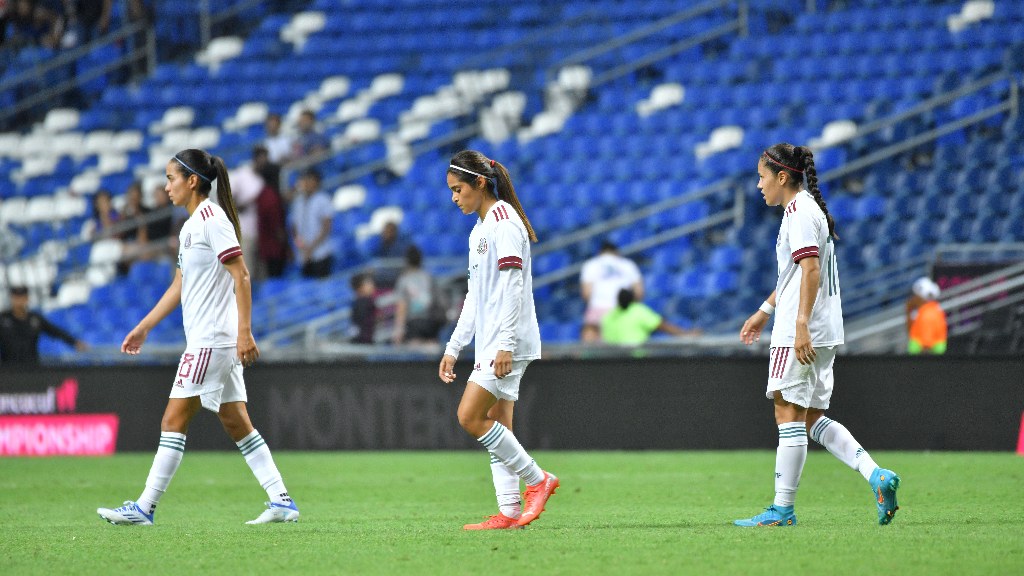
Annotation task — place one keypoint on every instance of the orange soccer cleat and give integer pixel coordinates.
(536, 497)
(496, 522)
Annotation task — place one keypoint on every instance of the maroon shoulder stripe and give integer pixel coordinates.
(230, 253)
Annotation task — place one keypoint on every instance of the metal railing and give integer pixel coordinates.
(38, 74)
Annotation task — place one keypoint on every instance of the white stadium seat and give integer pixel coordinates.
(61, 120)
(349, 196)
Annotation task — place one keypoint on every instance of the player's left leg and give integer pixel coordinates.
(506, 481)
(838, 440)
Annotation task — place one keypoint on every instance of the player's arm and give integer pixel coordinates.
(751, 331)
(461, 338)
(247, 350)
(810, 269)
(586, 288)
(510, 282)
(171, 299)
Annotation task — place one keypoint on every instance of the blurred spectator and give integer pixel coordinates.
(601, 279)
(390, 246)
(136, 239)
(279, 146)
(310, 217)
(270, 220)
(20, 329)
(104, 217)
(364, 308)
(309, 140)
(926, 320)
(11, 242)
(33, 22)
(246, 186)
(631, 323)
(86, 21)
(161, 230)
(419, 314)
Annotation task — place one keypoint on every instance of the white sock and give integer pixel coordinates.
(503, 444)
(257, 456)
(838, 440)
(168, 456)
(789, 461)
(506, 488)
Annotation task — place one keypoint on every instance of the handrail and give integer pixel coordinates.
(66, 58)
(209, 19)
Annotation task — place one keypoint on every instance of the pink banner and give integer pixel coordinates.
(58, 435)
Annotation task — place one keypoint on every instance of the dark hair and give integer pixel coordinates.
(626, 298)
(413, 256)
(208, 168)
(609, 246)
(798, 163)
(496, 181)
(96, 200)
(312, 173)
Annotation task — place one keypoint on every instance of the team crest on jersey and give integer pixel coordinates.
(481, 248)
(188, 240)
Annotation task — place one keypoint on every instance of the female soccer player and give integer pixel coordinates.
(499, 311)
(807, 331)
(212, 286)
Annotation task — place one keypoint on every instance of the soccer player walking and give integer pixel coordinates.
(808, 329)
(212, 286)
(499, 311)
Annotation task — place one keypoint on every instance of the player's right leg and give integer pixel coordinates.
(177, 416)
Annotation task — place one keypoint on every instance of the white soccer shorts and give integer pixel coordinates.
(807, 385)
(506, 388)
(213, 374)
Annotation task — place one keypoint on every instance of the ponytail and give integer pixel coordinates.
(798, 163)
(208, 168)
(812, 186)
(470, 165)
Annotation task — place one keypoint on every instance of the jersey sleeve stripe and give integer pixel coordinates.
(230, 253)
(510, 262)
(802, 253)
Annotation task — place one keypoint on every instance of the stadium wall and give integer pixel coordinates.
(902, 403)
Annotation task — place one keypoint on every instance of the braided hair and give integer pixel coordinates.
(497, 181)
(209, 168)
(798, 163)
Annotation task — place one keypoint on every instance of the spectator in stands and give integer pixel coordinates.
(309, 141)
(161, 228)
(246, 186)
(389, 247)
(631, 323)
(926, 321)
(270, 219)
(86, 20)
(136, 239)
(279, 146)
(20, 329)
(104, 217)
(364, 308)
(31, 22)
(417, 317)
(310, 217)
(11, 242)
(601, 280)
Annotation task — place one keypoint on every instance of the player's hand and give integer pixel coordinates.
(446, 371)
(247, 350)
(751, 331)
(503, 363)
(132, 343)
(802, 345)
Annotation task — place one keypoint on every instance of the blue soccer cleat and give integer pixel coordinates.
(130, 513)
(277, 512)
(884, 484)
(772, 516)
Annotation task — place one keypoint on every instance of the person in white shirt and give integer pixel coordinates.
(212, 286)
(499, 312)
(601, 280)
(808, 329)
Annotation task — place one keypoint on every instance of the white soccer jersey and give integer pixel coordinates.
(804, 233)
(607, 274)
(208, 307)
(499, 307)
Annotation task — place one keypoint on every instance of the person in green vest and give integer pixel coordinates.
(631, 323)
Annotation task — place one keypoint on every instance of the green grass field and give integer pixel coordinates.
(616, 513)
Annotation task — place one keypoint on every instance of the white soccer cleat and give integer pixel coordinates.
(277, 513)
(130, 513)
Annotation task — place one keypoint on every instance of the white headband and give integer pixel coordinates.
(466, 171)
